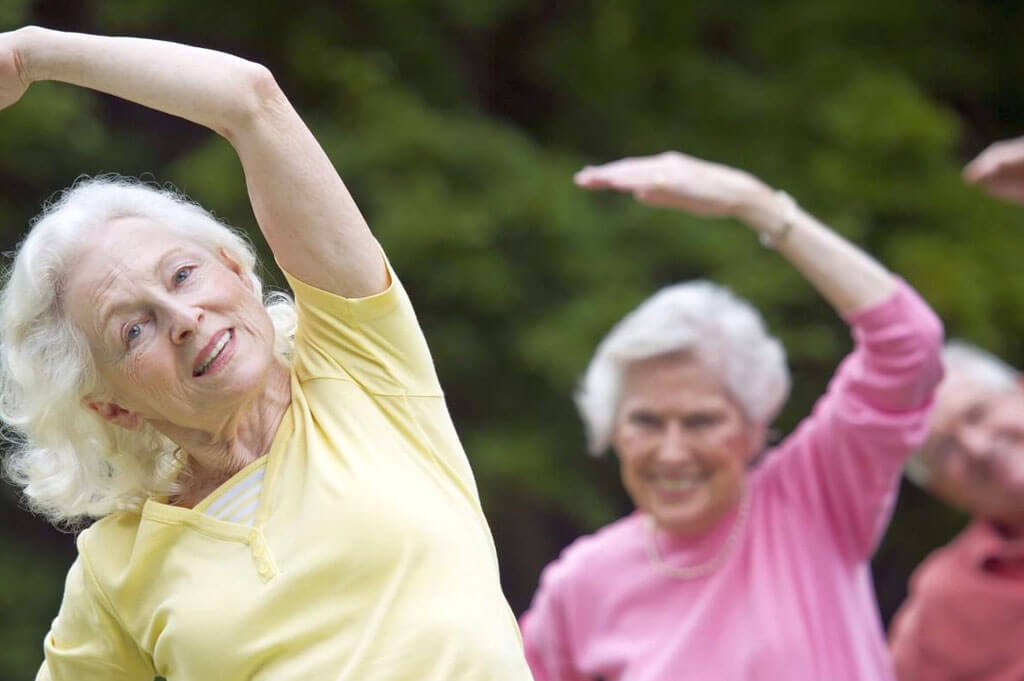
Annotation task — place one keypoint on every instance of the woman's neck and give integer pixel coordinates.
(215, 453)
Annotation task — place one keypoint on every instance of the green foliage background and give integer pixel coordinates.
(457, 125)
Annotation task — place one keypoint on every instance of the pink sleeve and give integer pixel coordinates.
(842, 465)
(545, 629)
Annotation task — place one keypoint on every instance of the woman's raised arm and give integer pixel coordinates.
(304, 210)
(847, 277)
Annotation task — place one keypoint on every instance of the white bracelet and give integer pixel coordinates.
(771, 238)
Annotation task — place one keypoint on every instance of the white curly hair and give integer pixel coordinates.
(723, 332)
(963, 362)
(69, 462)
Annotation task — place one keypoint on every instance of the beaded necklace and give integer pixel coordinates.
(707, 567)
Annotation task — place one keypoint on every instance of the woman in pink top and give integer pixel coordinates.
(738, 564)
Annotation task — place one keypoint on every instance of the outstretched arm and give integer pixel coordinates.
(310, 221)
(847, 277)
(999, 170)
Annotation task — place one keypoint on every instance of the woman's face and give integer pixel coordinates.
(176, 331)
(683, 443)
(975, 450)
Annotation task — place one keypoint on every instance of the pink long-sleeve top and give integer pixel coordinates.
(793, 599)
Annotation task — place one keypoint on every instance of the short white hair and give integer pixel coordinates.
(962, 361)
(69, 462)
(722, 331)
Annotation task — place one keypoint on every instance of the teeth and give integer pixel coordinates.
(214, 353)
(677, 484)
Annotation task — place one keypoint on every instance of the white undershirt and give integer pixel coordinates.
(238, 504)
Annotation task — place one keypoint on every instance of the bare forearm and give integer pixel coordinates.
(302, 206)
(206, 87)
(847, 277)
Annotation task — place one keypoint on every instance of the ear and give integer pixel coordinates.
(235, 267)
(117, 415)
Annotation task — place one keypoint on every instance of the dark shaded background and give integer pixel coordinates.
(457, 125)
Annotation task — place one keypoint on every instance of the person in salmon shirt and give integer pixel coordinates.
(740, 563)
(964, 615)
(274, 484)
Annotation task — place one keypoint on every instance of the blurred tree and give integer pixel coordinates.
(457, 125)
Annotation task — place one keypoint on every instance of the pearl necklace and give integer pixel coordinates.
(707, 567)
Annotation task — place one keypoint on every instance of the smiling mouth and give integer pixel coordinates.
(213, 354)
(677, 483)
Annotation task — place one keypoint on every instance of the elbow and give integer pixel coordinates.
(262, 87)
(931, 335)
(258, 98)
(904, 354)
(919, 334)
(926, 356)
(935, 349)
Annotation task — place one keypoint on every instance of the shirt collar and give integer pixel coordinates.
(992, 551)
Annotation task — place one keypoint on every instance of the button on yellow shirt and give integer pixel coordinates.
(368, 557)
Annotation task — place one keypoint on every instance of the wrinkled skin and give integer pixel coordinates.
(683, 443)
(975, 451)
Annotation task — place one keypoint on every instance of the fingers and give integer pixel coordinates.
(634, 174)
(994, 159)
(1008, 189)
(623, 175)
(977, 169)
(655, 197)
(589, 179)
(674, 180)
(999, 170)
(647, 180)
(665, 198)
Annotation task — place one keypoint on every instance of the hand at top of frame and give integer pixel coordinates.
(999, 170)
(675, 180)
(12, 80)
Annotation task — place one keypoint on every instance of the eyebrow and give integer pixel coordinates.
(106, 313)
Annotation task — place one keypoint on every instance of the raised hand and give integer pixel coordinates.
(12, 80)
(846, 276)
(999, 170)
(675, 180)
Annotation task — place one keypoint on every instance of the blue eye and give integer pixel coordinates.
(132, 332)
(182, 274)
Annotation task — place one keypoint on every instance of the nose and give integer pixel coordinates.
(674, 445)
(184, 321)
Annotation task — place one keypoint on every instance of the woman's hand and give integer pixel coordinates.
(846, 276)
(999, 170)
(13, 82)
(675, 180)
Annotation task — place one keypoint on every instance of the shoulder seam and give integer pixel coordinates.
(375, 393)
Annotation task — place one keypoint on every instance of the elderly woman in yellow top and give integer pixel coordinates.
(280, 490)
